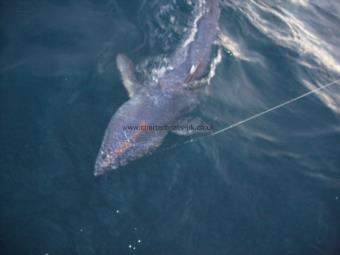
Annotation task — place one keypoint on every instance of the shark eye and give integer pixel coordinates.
(103, 155)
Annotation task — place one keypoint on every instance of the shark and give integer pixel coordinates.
(163, 104)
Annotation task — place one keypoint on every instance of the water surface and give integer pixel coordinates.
(271, 186)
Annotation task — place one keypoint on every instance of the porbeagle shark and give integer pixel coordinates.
(163, 104)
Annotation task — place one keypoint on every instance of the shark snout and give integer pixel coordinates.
(103, 164)
(99, 170)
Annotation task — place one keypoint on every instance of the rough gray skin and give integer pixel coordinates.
(163, 104)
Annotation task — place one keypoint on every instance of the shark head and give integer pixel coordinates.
(121, 145)
(116, 151)
(106, 160)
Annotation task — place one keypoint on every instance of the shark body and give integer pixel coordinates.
(163, 104)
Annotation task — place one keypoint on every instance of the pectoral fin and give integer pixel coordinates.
(128, 74)
(191, 126)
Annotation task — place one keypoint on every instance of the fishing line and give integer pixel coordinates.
(255, 116)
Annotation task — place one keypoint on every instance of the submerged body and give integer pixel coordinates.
(163, 104)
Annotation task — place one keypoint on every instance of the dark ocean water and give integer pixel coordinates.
(270, 186)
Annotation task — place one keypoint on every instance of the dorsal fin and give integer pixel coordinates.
(191, 126)
(128, 74)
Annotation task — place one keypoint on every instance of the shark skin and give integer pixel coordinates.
(163, 104)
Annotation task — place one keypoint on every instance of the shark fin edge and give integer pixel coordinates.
(128, 75)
